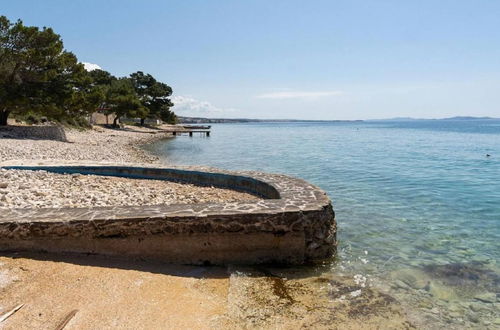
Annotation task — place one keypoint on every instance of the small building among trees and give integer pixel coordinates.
(101, 117)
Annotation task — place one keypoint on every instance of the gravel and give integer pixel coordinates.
(98, 144)
(39, 189)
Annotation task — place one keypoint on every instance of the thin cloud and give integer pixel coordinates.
(188, 106)
(298, 95)
(91, 66)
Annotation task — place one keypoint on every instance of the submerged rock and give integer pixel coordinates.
(488, 297)
(477, 307)
(272, 298)
(442, 292)
(400, 284)
(466, 279)
(474, 318)
(411, 277)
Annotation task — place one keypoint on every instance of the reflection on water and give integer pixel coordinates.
(417, 203)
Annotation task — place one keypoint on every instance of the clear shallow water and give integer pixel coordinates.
(409, 196)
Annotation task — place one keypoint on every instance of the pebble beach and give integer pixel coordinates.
(97, 144)
(40, 189)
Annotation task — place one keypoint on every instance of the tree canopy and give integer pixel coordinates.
(37, 75)
(154, 96)
(123, 100)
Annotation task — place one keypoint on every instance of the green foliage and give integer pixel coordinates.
(38, 78)
(154, 96)
(101, 77)
(122, 100)
(36, 73)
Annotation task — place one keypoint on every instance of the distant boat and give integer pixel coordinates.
(197, 126)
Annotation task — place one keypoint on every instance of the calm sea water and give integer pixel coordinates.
(411, 197)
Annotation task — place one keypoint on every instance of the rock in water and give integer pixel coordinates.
(488, 297)
(411, 277)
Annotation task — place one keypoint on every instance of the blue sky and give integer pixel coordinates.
(293, 59)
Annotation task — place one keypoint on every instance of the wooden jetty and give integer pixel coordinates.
(190, 132)
(196, 126)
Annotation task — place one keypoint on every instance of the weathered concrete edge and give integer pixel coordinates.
(298, 213)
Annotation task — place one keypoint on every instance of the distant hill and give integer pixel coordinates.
(203, 120)
(396, 119)
(450, 118)
(468, 118)
(200, 120)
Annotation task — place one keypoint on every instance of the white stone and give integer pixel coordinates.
(356, 293)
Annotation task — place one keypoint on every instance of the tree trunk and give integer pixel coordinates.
(4, 114)
(142, 121)
(115, 121)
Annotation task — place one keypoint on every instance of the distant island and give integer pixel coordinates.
(449, 118)
(469, 118)
(199, 120)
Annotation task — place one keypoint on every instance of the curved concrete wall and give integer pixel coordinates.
(293, 223)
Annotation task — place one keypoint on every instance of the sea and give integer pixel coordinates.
(417, 202)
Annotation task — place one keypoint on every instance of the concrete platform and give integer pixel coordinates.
(294, 223)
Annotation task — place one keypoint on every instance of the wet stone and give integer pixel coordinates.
(471, 279)
(412, 278)
(478, 307)
(488, 297)
(401, 285)
(474, 318)
(455, 308)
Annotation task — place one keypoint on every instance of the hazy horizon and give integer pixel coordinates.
(375, 119)
(321, 60)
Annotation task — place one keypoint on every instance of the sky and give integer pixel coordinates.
(326, 60)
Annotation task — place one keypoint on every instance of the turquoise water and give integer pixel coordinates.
(411, 197)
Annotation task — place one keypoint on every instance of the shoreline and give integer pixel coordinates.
(96, 144)
(29, 189)
(229, 297)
